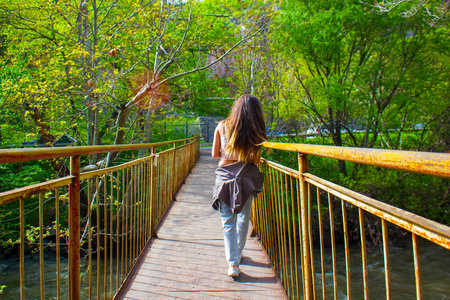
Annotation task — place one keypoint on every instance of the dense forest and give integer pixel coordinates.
(109, 72)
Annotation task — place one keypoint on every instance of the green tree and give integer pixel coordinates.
(352, 65)
(99, 69)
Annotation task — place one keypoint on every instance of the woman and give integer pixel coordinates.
(237, 141)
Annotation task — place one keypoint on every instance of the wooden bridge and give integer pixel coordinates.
(145, 228)
(187, 260)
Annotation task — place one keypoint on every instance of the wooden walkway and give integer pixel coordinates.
(187, 260)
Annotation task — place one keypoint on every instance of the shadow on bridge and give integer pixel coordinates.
(187, 258)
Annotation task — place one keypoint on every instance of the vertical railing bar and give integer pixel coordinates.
(266, 207)
(299, 213)
(126, 229)
(150, 195)
(303, 168)
(22, 248)
(123, 232)
(291, 258)
(141, 202)
(364, 253)
(287, 239)
(279, 233)
(297, 288)
(269, 211)
(117, 230)
(313, 278)
(417, 266)
(167, 183)
(105, 236)
(263, 211)
(152, 192)
(322, 257)
(333, 244)
(163, 181)
(159, 185)
(58, 250)
(133, 216)
(89, 199)
(280, 217)
(147, 210)
(41, 247)
(387, 273)
(132, 219)
(347, 249)
(97, 200)
(275, 244)
(74, 230)
(274, 227)
(138, 210)
(145, 183)
(144, 202)
(283, 228)
(111, 206)
(175, 187)
(186, 172)
(264, 199)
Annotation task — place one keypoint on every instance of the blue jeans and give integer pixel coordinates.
(235, 230)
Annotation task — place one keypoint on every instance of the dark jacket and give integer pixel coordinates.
(235, 183)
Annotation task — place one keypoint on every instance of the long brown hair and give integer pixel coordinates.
(245, 128)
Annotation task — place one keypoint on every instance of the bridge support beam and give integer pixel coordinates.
(74, 230)
(305, 219)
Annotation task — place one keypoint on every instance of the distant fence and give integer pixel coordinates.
(204, 129)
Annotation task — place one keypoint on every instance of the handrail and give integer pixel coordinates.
(123, 206)
(429, 163)
(284, 219)
(21, 155)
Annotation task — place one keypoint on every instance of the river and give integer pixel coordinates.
(9, 276)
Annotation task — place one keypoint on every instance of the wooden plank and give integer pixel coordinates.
(187, 260)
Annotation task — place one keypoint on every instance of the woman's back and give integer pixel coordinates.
(239, 137)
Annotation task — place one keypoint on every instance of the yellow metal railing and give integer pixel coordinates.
(295, 204)
(120, 209)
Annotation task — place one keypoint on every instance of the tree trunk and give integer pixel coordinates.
(120, 133)
(337, 140)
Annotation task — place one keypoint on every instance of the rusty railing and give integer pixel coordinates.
(102, 219)
(298, 214)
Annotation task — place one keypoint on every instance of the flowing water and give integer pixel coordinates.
(9, 276)
(435, 262)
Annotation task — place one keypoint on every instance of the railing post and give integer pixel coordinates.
(174, 169)
(74, 230)
(307, 271)
(152, 193)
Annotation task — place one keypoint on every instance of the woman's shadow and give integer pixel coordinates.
(244, 277)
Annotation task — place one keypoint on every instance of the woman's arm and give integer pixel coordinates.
(215, 152)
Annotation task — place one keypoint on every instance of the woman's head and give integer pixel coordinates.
(246, 129)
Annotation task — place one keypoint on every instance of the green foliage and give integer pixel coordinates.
(427, 196)
(351, 66)
(14, 176)
(17, 175)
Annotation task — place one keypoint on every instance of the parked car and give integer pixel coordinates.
(317, 130)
